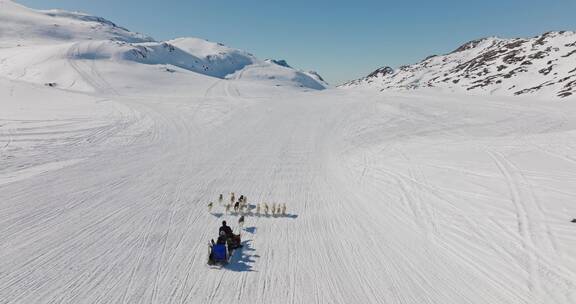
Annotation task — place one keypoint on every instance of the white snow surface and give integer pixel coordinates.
(543, 66)
(397, 197)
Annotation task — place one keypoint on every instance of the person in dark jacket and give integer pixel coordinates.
(233, 240)
(226, 229)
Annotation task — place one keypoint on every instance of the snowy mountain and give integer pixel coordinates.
(544, 65)
(116, 175)
(21, 26)
(58, 47)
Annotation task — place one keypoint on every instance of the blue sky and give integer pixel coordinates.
(341, 40)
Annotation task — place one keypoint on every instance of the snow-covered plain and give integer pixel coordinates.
(417, 197)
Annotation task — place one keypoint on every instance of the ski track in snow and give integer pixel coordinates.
(391, 198)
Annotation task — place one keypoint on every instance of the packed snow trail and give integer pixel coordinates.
(391, 199)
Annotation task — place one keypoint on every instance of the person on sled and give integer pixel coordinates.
(233, 239)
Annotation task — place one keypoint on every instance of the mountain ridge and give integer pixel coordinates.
(542, 65)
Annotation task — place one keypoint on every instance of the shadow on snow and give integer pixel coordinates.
(251, 230)
(243, 258)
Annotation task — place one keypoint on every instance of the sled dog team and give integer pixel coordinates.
(241, 206)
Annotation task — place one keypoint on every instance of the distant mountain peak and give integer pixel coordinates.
(280, 62)
(383, 71)
(470, 45)
(317, 75)
(544, 65)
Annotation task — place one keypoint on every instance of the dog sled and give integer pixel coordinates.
(220, 253)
